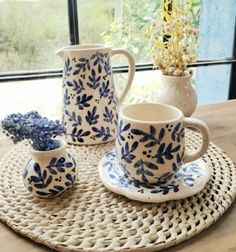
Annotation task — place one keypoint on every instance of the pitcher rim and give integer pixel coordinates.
(85, 47)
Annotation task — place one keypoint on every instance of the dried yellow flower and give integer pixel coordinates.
(173, 38)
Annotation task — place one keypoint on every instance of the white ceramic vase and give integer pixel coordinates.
(178, 91)
(49, 173)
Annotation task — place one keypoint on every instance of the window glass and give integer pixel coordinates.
(212, 83)
(30, 33)
(121, 23)
(216, 29)
(144, 86)
(32, 30)
(44, 95)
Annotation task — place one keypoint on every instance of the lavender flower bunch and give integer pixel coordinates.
(38, 130)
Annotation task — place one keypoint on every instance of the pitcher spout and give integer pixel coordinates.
(61, 52)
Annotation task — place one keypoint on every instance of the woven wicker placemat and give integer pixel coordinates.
(91, 218)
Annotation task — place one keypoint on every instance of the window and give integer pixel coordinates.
(30, 33)
(30, 36)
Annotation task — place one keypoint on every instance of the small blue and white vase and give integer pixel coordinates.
(48, 174)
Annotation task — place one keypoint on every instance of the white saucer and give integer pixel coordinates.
(190, 179)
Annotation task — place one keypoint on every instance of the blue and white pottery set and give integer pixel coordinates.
(150, 162)
(90, 107)
(49, 173)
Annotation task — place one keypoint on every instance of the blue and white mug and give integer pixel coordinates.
(150, 141)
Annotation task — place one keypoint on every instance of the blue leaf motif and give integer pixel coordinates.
(94, 82)
(140, 166)
(112, 98)
(40, 181)
(70, 180)
(44, 174)
(164, 178)
(58, 165)
(110, 154)
(92, 117)
(82, 101)
(108, 115)
(35, 179)
(67, 67)
(164, 152)
(37, 169)
(75, 119)
(174, 167)
(52, 192)
(126, 152)
(151, 136)
(166, 188)
(161, 135)
(107, 68)
(120, 129)
(78, 135)
(98, 60)
(82, 66)
(66, 98)
(78, 86)
(150, 165)
(104, 89)
(177, 133)
(103, 133)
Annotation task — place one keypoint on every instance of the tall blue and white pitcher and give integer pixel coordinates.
(90, 104)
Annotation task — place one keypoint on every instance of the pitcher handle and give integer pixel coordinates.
(130, 73)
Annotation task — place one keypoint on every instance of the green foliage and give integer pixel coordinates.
(173, 37)
(94, 17)
(30, 32)
(129, 31)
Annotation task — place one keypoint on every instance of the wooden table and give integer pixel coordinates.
(220, 237)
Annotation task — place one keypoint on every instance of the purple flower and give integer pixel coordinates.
(38, 130)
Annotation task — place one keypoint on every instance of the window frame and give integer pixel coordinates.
(74, 40)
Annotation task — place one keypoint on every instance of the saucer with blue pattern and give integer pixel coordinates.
(190, 179)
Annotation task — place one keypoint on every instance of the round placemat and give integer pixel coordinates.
(91, 218)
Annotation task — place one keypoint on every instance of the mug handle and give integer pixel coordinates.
(204, 130)
(130, 73)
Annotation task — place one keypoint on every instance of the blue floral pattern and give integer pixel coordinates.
(126, 152)
(104, 89)
(66, 99)
(103, 133)
(82, 65)
(78, 135)
(94, 81)
(78, 86)
(73, 118)
(67, 67)
(108, 115)
(90, 100)
(156, 150)
(119, 176)
(120, 129)
(92, 117)
(46, 181)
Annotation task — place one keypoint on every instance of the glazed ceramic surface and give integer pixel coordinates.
(178, 92)
(49, 173)
(90, 103)
(189, 180)
(150, 142)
